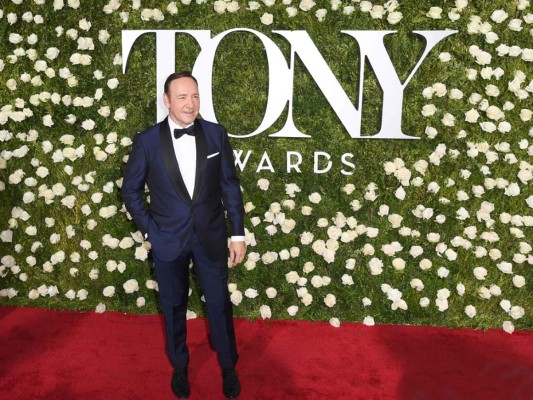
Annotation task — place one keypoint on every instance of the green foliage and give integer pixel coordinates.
(240, 85)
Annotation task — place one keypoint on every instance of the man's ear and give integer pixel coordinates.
(166, 100)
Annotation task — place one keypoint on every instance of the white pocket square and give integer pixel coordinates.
(214, 154)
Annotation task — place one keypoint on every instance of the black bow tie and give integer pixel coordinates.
(187, 131)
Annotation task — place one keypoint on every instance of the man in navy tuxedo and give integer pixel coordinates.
(188, 166)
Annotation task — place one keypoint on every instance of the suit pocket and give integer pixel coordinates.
(213, 155)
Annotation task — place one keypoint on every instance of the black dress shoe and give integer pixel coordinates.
(180, 383)
(230, 384)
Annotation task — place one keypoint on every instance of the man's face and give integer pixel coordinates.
(182, 101)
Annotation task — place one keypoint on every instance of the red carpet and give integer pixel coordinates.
(70, 355)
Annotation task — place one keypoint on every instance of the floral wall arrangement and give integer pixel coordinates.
(434, 231)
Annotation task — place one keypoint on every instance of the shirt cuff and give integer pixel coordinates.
(237, 238)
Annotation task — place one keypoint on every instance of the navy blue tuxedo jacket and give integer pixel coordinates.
(172, 213)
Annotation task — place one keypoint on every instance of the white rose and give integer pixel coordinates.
(347, 280)
(491, 37)
(398, 264)
(319, 246)
(492, 90)
(527, 55)
(377, 12)
(307, 299)
(428, 110)
(512, 190)
(428, 92)
(369, 321)
(425, 264)
(368, 249)
(291, 11)
(271, 292)
(254, 5)
(329, 255)
(84, 24)
(335, 322)
(494, 113)
(112, 83)
(263, 184)
(271, 230)
(508, 327)
(442, 304)
(424, 302)
(265, 311)
(505, 267)
(519, 281)
(448, 119)
(454, 15)
(306, 5)
(525, 248)
(269, 257)
(88, 124)
(131, 286)
(251, 293)
(330, 300)
(82, 294)
(415, 251)
(434, 12)
(499, 16)
(290, 204)
(445, 57)
(376, 266)
(292, 277)
(471, 116)
(365, 6)
(525, 114)
(321, 14)
(109, 291)
(220, 6)
(103, 36)
(236, 297)
(308, 267)
(120, 114)
(71, 294)
(470, 311)
(267, 19)
(417, 284)
(151, 284)
(141, 253)
(317, 281)
(126, 243)
(315, 198)
(516, 312)
(483, 58)
(394, 17)
(366, 302)
(292, 310)
(480, 273)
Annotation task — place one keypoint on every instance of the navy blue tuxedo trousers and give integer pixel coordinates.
(173, 282)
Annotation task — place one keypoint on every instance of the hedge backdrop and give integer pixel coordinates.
(433, 231)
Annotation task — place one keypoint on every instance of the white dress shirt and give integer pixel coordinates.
(185, 150)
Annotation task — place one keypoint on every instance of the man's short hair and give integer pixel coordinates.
(178, 75)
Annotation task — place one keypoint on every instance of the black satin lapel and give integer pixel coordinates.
(201, 160)
(171, 163)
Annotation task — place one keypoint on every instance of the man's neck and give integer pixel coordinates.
(171, 120)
